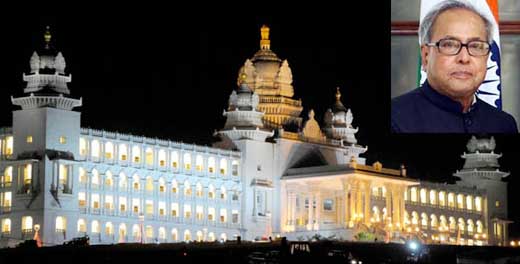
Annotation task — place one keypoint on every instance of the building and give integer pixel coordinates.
(270, 174)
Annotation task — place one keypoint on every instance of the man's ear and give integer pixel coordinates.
(425, 51)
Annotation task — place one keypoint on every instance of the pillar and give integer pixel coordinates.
(310, 211)
(318, 211)
(367, 202)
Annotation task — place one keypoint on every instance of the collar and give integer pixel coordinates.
(443, 101)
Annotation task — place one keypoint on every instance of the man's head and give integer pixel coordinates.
(455, 75)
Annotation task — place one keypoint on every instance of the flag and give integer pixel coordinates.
(490, 90)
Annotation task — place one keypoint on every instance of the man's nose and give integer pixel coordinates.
(463, 56)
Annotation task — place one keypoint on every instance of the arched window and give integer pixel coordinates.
(27, 224)
(451, 200)
(82, 226)
(82, 146)
(211, 237)
(95, 227)
(211, 165)
(123, 152)
(187, 188)
(187, 161)
(433, 223)
(82, 175)
(109, 150)
(443, 223)
(8, 176)
(453, 224)
(198, 190)
(223, 193)
(478, 203)
(175, 159)
(199, 213)
(6, 225)
(109, 180)
(223, 166)
(199, 236)
(162, 158)
(469, 202)
(375, 214)
(9, 145)
(480, 227)
(122, 233)
(198, 163)
(223, 215)
(136, 232)
(175, 209)
(162, 233)
(424, 220)
(406, 218)
(471, 227)
(175, 187)
(122, 182)
(149, 156)
(415, 218)
(433, 197)
(187, 235)
(136, 184)
(187, 211)
(223, 237)
(96, 150)
(162, 185)
(136, 154)
(95, 179)
(61, 224)
(211, 213)
(109, 228)
(442, 198)
(94, 201)
(461, 225)
(423, 195)
(149, 232)
(175, 235)
(234, 168)
(460, 201)
(149, 184)
(211, 191)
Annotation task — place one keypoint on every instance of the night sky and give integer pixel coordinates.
(168, 72)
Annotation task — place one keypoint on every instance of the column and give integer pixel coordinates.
(293, 210)
(318, 211)
(388, 202)
(346, 208)
(359, 200)
(367, 202)
(310, 216)
(352, 202)
(402, 204)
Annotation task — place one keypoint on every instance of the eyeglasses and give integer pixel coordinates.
(453, 47)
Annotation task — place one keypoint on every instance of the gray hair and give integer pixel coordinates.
(425, 29)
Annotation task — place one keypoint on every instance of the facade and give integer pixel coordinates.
(270, 174)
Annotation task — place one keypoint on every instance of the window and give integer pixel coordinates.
(199, 236)
(6, 225)
(109, 150)
(234, 168)
(27, 224)
(123, 152)
(7, 199)
(433, 197)
(64, 171)
(162, 158)
(135, 182)
(122, 204)
(7, 179)
(187, 211)
(94, 201)
(109, 182)
(82, 226)
(423, 195)
(109, 228)
(175, 159)
(211, 165)
(162, 233)
(460, 201)
(149, 207)
(174, 234)
(442, 198)
(95, 179)
(223, 194)
(175, 187)
(211, 191)
(149, 231)
(29, 139)
(223, 215)
(478, 204)
(63, 140)
(451, 200)
(136, 154)
(61, 224)
(82, 146)
(187, 235)
(234, 216)
(175, 209)
(199, 212)
(187, 188)
(9, 145)
(497, 204)
(135, 205)
(149, 156)
(187, 161)
(162, 185)
(149, 184)
(122, 182)
(469, 202)
(211, 214)
(95, 227)
(27, 175)
(109, 202)
(328, 205)
(198, 163)
(162, 208)
(223, 166)
(198, 190)
(82, 199)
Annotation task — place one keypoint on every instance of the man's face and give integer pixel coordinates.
(456, 76)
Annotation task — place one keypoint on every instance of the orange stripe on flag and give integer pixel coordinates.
(493, 5)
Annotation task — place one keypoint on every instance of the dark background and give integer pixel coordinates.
(167, 72)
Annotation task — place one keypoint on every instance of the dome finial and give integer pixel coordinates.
(243, 77)
(47, 37)
(265, 43)
(338, 94)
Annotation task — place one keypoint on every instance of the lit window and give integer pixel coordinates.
(95, 227)
(198, 163)
(451, 200)
(136, 154)
(423, 195)
(187, 161)
(149, 207)
(162, 208)
(63, 140)
(469, 202)
(175, 209)
(234, 168)
(211, 213)
(82, 146)
(9, 145)
(223, 215)
(109, 150)
(149, 156)
(82, 226)
(460, 201)
(497, 203)
(82, 199)
(27, 224)
(478, 204)
(29, 139)
(123, 152)
(95, 149)
(223, 166)
(187, 211)
(95, 201)
(433, 197)
(211, 165)
(175, 159)
(162, 158)
(199, 212)
(109, 228)
(61, 224)
(6, 225)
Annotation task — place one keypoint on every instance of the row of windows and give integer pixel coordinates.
(108, 150)
(434, 197)
(150, 186)
(441, 223)
(95, 228)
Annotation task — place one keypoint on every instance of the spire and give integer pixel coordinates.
(338, 94)
(265, 43)
(47, 37)
(338, 106)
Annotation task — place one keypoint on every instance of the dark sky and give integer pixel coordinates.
(167, 72)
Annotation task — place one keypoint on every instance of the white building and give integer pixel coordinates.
(271, 174)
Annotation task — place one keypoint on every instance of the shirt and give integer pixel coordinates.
(425, 110)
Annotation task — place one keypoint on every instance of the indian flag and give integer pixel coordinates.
(490, 90)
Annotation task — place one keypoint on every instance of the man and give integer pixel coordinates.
(455, 47)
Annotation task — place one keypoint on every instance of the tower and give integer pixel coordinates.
(45, 144)
(482, 171)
